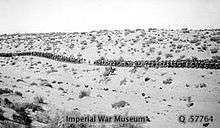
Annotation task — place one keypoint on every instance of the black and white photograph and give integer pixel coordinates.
(109, 63)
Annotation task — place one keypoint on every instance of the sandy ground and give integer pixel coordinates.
(161, 94)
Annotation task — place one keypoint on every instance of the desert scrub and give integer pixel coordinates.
(120, 104)
(194, 40)
(179, 46)
(159, 52)
(216, 57)
(214, 50)
(168, 55)
(84, 94)
(6, 90)
(18, 93)
(182, 57)
(215, 38)
(175, 38)
(158, 58)
(168, 81)
(152, 50)
(38, 100)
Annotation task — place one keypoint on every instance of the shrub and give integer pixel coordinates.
(214, 50)
(18, 93)
(84, 94)
(6, 90)
(194, 40)
(120, 104)
(38, 99)
(168, 55)
(168, 81)
(215, 38)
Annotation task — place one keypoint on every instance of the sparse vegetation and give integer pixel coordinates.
(214, 50)
(84, 94)
(215, 38)
(168, 81)
(38, 100)
(194, 40)
(141, 52)
(18, 93)
(5, 91)
(120, 104)
(168, 55)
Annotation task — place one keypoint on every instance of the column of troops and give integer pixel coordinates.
(188, 63)
(205, 63)
(58, 57)
(45, 55)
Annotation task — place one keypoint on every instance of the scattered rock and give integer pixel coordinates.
(6, 90)
(146, 79)
(18, 93)
(189, 104)
(214, 50)
(215, 38)
(168, 81)
(168, 55)
(187, 85)
(120, 104)
(195, 40)
(84, 94)
(203, 85)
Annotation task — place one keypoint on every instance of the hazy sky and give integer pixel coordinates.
(85, 15)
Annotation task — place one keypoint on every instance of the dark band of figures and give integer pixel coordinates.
(188, 63)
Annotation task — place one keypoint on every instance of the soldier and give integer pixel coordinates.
(28, 54)
(107, 63)
(200, 63)
(211, 64)
(146, 63)
(127, 63)
(188, 63)
(154, 63)
(58, 57)
(162, 64)
(151, 63)
(173, 63)
(197, 64)
(49, 55)
(181, 63)
(217, 64)
(137, 63)
(206, 61)
(117, 62)
(169, 64)
(165, 63)
(110, 62)
(96, 62)
(122, 63)
(193, 64)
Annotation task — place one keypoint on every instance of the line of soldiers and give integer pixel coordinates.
(58, 57)
(205, 63)
(188, 63)
(45, 55)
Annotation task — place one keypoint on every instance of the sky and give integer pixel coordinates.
(25, 16)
